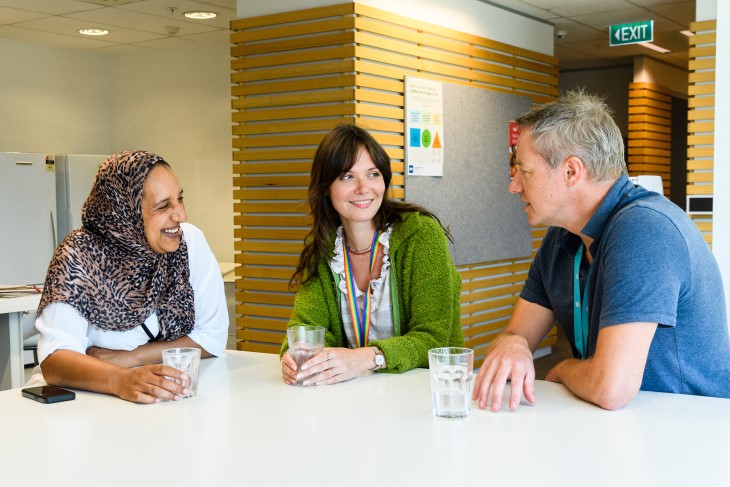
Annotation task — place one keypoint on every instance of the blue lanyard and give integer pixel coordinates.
(580, 311)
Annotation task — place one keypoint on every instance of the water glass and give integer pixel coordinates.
(451, 370)
(305, 341)
(186, 360)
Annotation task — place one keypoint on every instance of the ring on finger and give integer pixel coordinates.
(329, 363)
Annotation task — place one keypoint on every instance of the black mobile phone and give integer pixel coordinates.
(48, 394)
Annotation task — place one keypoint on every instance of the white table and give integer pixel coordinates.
(11, 338)
(247, 428)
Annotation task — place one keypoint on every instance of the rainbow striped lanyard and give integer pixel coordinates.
(360, 323)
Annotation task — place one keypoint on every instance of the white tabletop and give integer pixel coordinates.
(246, 427)
(27, 302)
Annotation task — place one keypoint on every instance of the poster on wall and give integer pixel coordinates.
(424, 127)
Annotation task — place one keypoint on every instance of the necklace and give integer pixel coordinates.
(359, 251)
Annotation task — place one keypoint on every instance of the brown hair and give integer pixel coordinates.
(336, 154)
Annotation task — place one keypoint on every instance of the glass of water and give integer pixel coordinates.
(451, 370)
(305, 341)
(186, 360)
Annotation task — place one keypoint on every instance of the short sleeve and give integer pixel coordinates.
(534, 288)
(211, 309)
(61, 327)
(644, 263)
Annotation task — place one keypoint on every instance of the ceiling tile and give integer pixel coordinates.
(14, 15)
(70, 27)
(680, 12)
(52, 7)
(57, 40)
(576, 8)
(523, 7)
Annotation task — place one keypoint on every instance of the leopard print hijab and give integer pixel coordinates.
(107, 270)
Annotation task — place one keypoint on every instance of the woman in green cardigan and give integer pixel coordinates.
(393, 257)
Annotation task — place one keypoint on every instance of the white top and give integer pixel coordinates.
(246, 427)
(63, 328)
(381, 317)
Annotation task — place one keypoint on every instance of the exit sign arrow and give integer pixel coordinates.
(631, 33)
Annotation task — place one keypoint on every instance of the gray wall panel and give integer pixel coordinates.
(471, 199)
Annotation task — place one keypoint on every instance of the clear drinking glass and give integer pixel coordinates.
(451, 370)
(305, 341)
(186, 360)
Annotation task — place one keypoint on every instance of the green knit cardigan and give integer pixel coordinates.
(425, 288)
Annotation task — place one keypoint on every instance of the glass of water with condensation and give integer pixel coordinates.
(451, 371)
(305, 341)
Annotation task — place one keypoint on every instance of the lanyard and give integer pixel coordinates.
(360, 323)
(580, 311)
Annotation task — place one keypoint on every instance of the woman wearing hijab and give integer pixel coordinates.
(133, 280)
(375, 273)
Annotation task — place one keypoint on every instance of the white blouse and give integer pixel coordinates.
(381, 317)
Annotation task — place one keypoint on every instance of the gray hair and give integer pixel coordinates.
(579, 125)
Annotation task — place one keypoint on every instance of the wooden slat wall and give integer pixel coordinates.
(701, 117)
(650, 132)
(298, 74)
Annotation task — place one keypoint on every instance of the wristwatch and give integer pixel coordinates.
(379, 358)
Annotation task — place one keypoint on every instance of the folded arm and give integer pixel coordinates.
(612, 377)
(149, 353)
(146, 384)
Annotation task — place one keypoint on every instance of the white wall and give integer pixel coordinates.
(721, 198)
(173, 101)
(649, 70)
(470, 16)
(53, 100)
(176, 102)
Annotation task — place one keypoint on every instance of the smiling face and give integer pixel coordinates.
(357, 194)
(162, 210)
(539, 186)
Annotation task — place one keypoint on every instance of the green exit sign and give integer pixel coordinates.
(632, 33)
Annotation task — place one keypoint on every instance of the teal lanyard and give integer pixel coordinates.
(580, 311)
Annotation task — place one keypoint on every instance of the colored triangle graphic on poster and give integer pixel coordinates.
(436, 141)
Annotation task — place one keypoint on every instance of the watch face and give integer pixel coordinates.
(379, 360)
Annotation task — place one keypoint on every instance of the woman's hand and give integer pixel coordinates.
(337, 365)
(151, 383)
(288, 368)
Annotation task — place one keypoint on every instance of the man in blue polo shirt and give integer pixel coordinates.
(624, 272)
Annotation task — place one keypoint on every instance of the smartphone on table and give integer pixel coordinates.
(48, 394)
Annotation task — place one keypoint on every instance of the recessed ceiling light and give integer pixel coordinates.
(93, 32)
(200, 15)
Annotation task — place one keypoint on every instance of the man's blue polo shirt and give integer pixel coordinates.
(650, 264)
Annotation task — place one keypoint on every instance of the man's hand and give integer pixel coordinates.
(509, 357)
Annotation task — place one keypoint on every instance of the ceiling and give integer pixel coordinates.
(586, 23)
(140, 24)
(133, 24)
